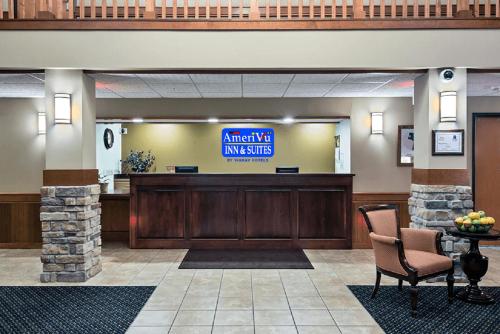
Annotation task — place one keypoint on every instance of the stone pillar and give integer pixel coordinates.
(70, 211)
(440, 189)
(71, 233)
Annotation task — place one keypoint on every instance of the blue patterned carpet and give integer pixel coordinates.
(391, 309)
(70, 309)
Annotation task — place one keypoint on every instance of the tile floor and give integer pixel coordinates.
(235, 301)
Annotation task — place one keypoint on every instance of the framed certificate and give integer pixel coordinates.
(448, 142)
(406, 145)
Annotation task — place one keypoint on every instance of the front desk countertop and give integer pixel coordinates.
(114, 194)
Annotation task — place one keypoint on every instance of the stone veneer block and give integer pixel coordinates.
(71, 233)
(436, 207)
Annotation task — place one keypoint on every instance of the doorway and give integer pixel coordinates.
(486, 164)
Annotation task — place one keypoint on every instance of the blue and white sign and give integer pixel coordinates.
(247, 143)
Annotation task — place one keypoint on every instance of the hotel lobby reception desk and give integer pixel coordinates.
(240, 210)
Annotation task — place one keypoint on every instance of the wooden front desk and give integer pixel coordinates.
(240, 211)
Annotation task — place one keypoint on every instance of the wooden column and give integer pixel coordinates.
(45, 9)
(358, 10)
(26, 9)
(149, 12)
(463, 9)
(254, 10)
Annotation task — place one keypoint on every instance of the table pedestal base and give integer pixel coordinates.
(475, 266)
(474, 294)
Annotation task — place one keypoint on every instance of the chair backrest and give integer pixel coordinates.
(382, 219)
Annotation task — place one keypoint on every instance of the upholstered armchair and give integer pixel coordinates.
(407, 254)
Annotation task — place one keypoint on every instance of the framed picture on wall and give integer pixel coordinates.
(448, 142)
(406, 145)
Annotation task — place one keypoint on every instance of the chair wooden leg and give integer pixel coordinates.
(377, 284)
(400, 285)
(414, 299)
(450, 280)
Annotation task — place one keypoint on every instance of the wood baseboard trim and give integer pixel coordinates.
(70, 177)
(366, 197)
(457, 177)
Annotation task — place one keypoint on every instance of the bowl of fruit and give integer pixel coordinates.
(475, 222)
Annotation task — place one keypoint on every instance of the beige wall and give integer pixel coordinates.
(22, 149)
(309, 146)
(373, 157)
(366, 49)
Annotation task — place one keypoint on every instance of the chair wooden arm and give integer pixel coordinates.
(389, 254)
(422, 240)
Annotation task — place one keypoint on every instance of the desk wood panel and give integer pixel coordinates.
(268, 214)
(321, 214)
(242, 211)
(167, 223)
(214, 214)
(115, 217)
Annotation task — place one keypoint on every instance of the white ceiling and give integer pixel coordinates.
(246, 85)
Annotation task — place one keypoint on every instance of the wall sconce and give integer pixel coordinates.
(448, 106)
(62, 108)
(42, 123)
(377, 123)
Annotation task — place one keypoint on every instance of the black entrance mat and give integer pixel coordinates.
(391, 309)
(246, 259)
(70, 309)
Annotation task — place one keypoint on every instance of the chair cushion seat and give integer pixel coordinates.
(427, 263)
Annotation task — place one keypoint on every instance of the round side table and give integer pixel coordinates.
(475, 266)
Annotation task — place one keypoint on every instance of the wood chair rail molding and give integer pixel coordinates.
(457, 177)
(70, 177)
(269, 25)
(248, 15)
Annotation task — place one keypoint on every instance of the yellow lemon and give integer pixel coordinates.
(459, 220)
(474, 215)
(484, 221)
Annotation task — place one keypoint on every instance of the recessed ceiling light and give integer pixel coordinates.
(137, 120)
(213, 120)
(288, 120)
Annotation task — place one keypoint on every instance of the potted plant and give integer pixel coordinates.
(138, 162)
(104, 183)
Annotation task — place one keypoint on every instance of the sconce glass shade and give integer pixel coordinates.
(377, 123)
(448, 106)
(62, 108)
(42, 123)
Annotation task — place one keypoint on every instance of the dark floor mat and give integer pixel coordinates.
(246, 259)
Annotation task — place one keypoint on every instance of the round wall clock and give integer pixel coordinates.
(109, 138)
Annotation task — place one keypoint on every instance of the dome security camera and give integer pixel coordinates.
(447, 74)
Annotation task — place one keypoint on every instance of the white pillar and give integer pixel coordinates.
(427, 118)
(71, 146)
(440, 189)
